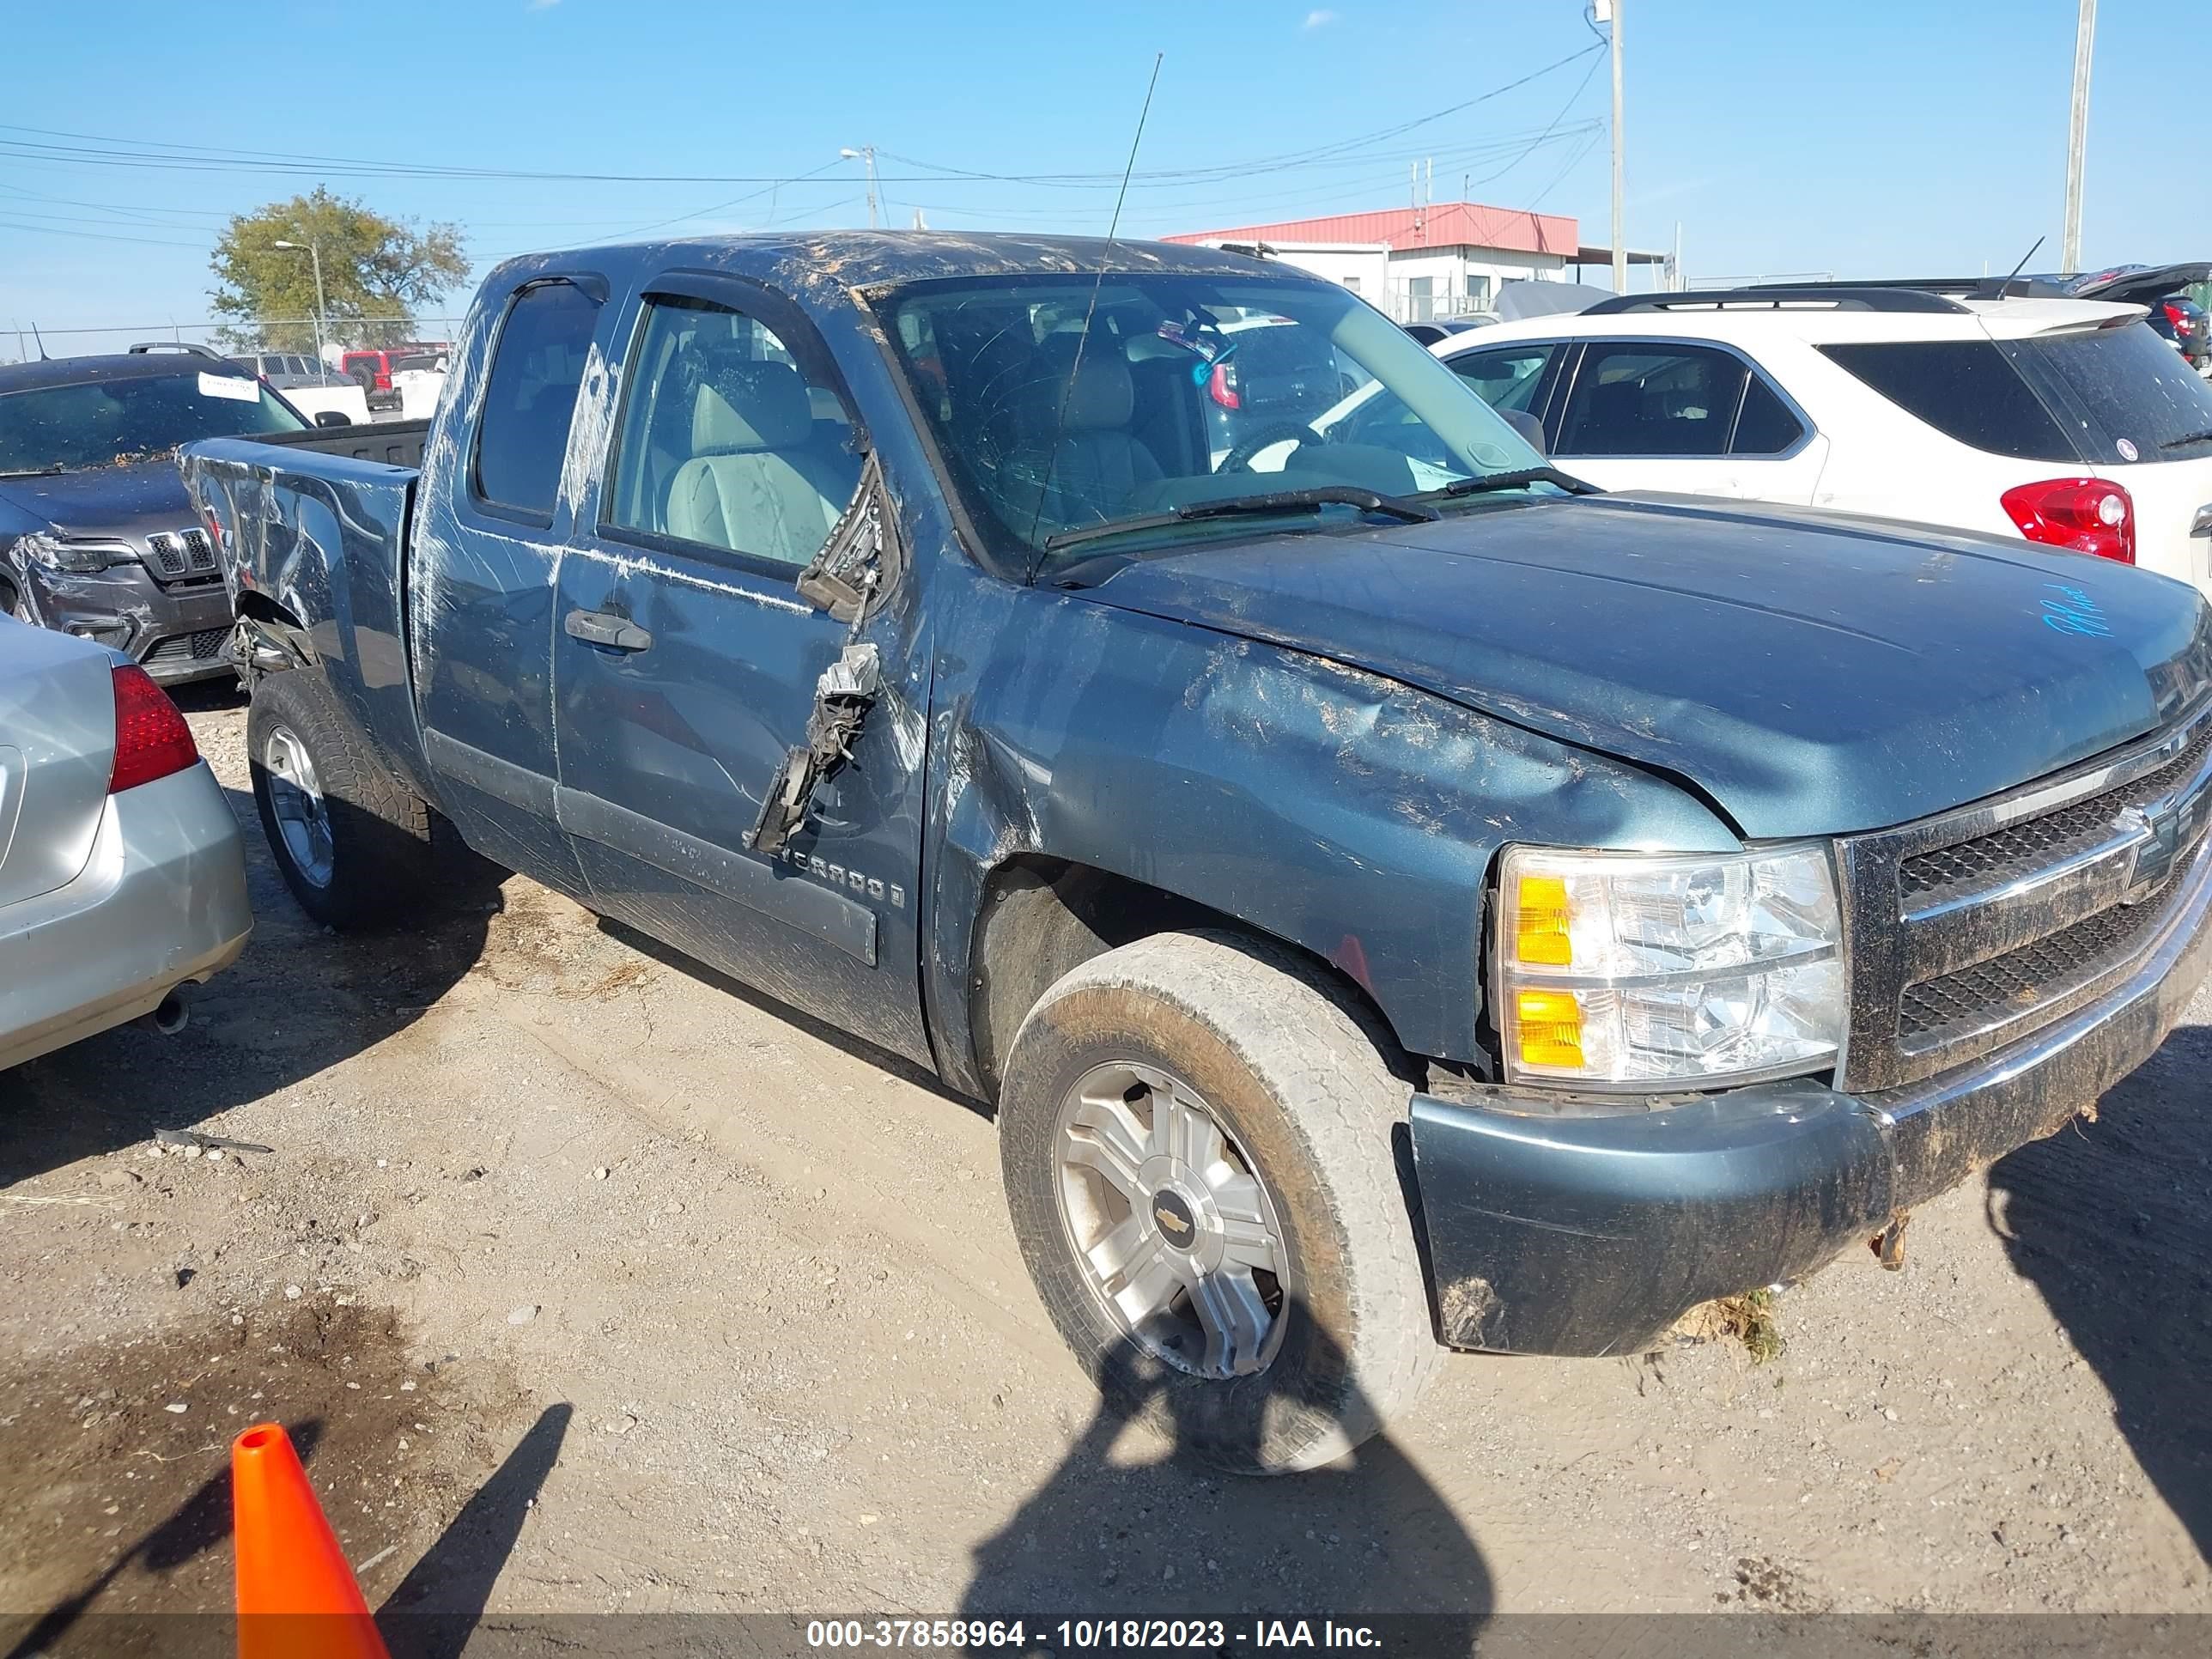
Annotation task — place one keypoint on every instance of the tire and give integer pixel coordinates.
(375, 862)
(1298, 1077)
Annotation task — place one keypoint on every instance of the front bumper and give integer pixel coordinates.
(175, 633)
(1561, 1234)
(160, 901)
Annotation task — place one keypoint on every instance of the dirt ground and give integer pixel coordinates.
(590, 1282)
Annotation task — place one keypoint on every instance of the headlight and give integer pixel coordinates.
(1626, 970)
(82, 557)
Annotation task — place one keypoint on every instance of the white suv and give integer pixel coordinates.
(2067, 422)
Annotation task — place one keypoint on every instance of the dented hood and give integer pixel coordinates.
(1812, 674)
(104, 501)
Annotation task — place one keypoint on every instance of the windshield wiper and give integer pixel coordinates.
(2192, 438)
(34, 472)
(1311, 500)
(1519, 478)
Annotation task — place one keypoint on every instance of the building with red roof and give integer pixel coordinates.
(1441, 259)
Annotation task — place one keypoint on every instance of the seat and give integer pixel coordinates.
(1098, 466)
(756, 483)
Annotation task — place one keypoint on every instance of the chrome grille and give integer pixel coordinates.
(1973, 928)
(1958, 1004)
(1991, 861)
(183, 554)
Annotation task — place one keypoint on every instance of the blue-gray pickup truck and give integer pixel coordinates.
(1395, 897)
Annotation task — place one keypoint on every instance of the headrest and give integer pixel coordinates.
(1102, 397)
(750, 406)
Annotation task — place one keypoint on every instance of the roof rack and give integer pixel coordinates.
(148, 348)
(1970, 287)
(1836, 296)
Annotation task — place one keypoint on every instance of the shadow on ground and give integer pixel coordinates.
(298, 1001)
(1126, 1527)
(882, 1059)
(2112, 1221)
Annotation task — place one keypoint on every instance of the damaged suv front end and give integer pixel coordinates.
(97, 536)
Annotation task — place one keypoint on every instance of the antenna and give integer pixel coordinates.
(40, 343)
(2023, 265)
(1113, 227)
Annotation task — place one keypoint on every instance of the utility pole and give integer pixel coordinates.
(2077, 138)
(315, 251)
(865, 153)
(1608, 13)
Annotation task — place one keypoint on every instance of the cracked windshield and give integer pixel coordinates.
(1185, 403)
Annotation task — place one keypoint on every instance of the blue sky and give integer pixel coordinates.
(1883, 136)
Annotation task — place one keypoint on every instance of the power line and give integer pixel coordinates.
(96, 149)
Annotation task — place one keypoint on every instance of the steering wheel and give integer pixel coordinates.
(1239, 459)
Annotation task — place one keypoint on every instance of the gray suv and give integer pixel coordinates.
(97, 538)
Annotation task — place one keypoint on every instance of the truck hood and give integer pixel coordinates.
(1810, 674)
(127, 502)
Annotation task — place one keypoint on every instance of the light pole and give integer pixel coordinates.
(313, 250)
(866, 152)
(2077, 138)
(1608, 12)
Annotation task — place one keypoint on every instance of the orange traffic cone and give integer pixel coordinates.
(296, 1595)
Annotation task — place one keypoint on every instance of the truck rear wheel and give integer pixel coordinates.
(352, 842)
(1199, 1136)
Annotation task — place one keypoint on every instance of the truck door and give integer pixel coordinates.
(688, 666)
(482, 600)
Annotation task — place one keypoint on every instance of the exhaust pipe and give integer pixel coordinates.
(172, 1014)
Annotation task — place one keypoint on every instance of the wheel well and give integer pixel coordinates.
(262, 608)
(1042, 917)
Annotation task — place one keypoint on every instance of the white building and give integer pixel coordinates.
(1445, 259)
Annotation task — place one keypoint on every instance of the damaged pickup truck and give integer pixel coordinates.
(1395, 897)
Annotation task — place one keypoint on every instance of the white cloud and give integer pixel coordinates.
(1318, 20)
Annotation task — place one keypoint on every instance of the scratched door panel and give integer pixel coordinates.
(686, 666)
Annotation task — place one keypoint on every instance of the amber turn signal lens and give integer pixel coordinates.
(1549, 1026)
(1539, 923)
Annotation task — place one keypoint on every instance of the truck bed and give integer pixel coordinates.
(394, 443)
(314, 528)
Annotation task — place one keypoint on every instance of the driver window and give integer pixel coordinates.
(726, 441)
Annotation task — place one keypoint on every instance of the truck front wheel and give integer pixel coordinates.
(352, 842)
(1201, 1139)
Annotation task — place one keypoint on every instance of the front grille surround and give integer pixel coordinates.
(183, 556)
(1972, 928)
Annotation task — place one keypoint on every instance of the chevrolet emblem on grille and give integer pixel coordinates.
(2163, 829)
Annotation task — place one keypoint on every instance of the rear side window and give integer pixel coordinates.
(522, 435)
(1765, 426)
(1966, 390)
(2120, 386)
(1652, 400)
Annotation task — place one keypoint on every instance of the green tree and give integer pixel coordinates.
(375, 272)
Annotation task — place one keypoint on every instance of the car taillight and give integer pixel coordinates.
(1221, 386)
(2087, 515)
(151, 739)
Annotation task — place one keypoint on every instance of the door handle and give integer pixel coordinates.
(604, 627)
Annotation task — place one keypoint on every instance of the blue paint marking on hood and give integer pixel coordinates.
(1814, 674)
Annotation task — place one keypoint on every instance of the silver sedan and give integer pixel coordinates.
(122, 876)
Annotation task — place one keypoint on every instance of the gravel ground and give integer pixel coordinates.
(592, 1282)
